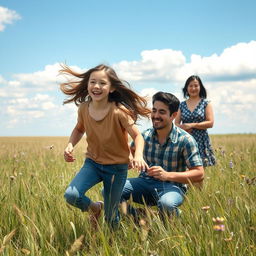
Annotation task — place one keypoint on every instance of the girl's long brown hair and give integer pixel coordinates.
(78, 91)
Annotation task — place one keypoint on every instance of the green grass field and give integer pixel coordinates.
(220, 219)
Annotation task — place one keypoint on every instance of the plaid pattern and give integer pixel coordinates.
(178, 152)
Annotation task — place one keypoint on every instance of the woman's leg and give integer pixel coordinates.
(86, 178)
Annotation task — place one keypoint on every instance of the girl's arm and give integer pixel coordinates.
(137, 161)
(75, 137)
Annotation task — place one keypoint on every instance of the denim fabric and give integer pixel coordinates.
(113, 177)
(167, 196)
(178, 153)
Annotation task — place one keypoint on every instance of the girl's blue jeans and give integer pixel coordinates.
(113, 177)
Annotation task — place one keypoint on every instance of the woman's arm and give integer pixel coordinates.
(209, 119)
(208, 123)
(177, 122)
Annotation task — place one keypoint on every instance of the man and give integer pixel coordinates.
(173, 159)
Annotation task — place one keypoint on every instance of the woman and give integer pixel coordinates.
(195, 116)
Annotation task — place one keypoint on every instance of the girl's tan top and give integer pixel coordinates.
(107, 139)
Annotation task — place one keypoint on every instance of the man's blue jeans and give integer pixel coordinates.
(167, 196)
(113, 177)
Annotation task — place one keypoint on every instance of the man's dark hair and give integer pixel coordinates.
(168, 99)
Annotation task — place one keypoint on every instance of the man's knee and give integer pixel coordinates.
(166, 205)
(169, 204)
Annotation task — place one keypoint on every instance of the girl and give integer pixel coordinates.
(108, 110)
(195, 116)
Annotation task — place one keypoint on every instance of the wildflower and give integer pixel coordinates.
(12, 177)
(231, 165)
(218, 220)
(206, 208)
(219, 227)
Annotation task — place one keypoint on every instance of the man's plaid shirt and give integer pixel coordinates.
(179, 152)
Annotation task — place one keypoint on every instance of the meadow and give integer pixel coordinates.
(219, 219)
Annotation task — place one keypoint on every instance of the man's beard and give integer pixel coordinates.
(161, 125)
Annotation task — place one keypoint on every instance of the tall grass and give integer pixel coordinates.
(219, 219)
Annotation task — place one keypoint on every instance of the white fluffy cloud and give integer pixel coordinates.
(155, 65)
(28, 109)
(7, 16)
(46, 79)
(235, 62)
(230, 79)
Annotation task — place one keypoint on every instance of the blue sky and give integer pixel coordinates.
(154, 45)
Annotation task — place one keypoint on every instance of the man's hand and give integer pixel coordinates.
(159, 173)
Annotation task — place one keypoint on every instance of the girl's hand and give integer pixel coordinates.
(68, 153)
(139, 164)
(130, 164)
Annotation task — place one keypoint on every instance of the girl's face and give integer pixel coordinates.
(99, 86)
(193, 88)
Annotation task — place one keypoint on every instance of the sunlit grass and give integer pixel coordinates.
(220, 219)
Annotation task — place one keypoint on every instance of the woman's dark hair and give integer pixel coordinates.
(78, 90)
(202, 93)
(168, 99)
